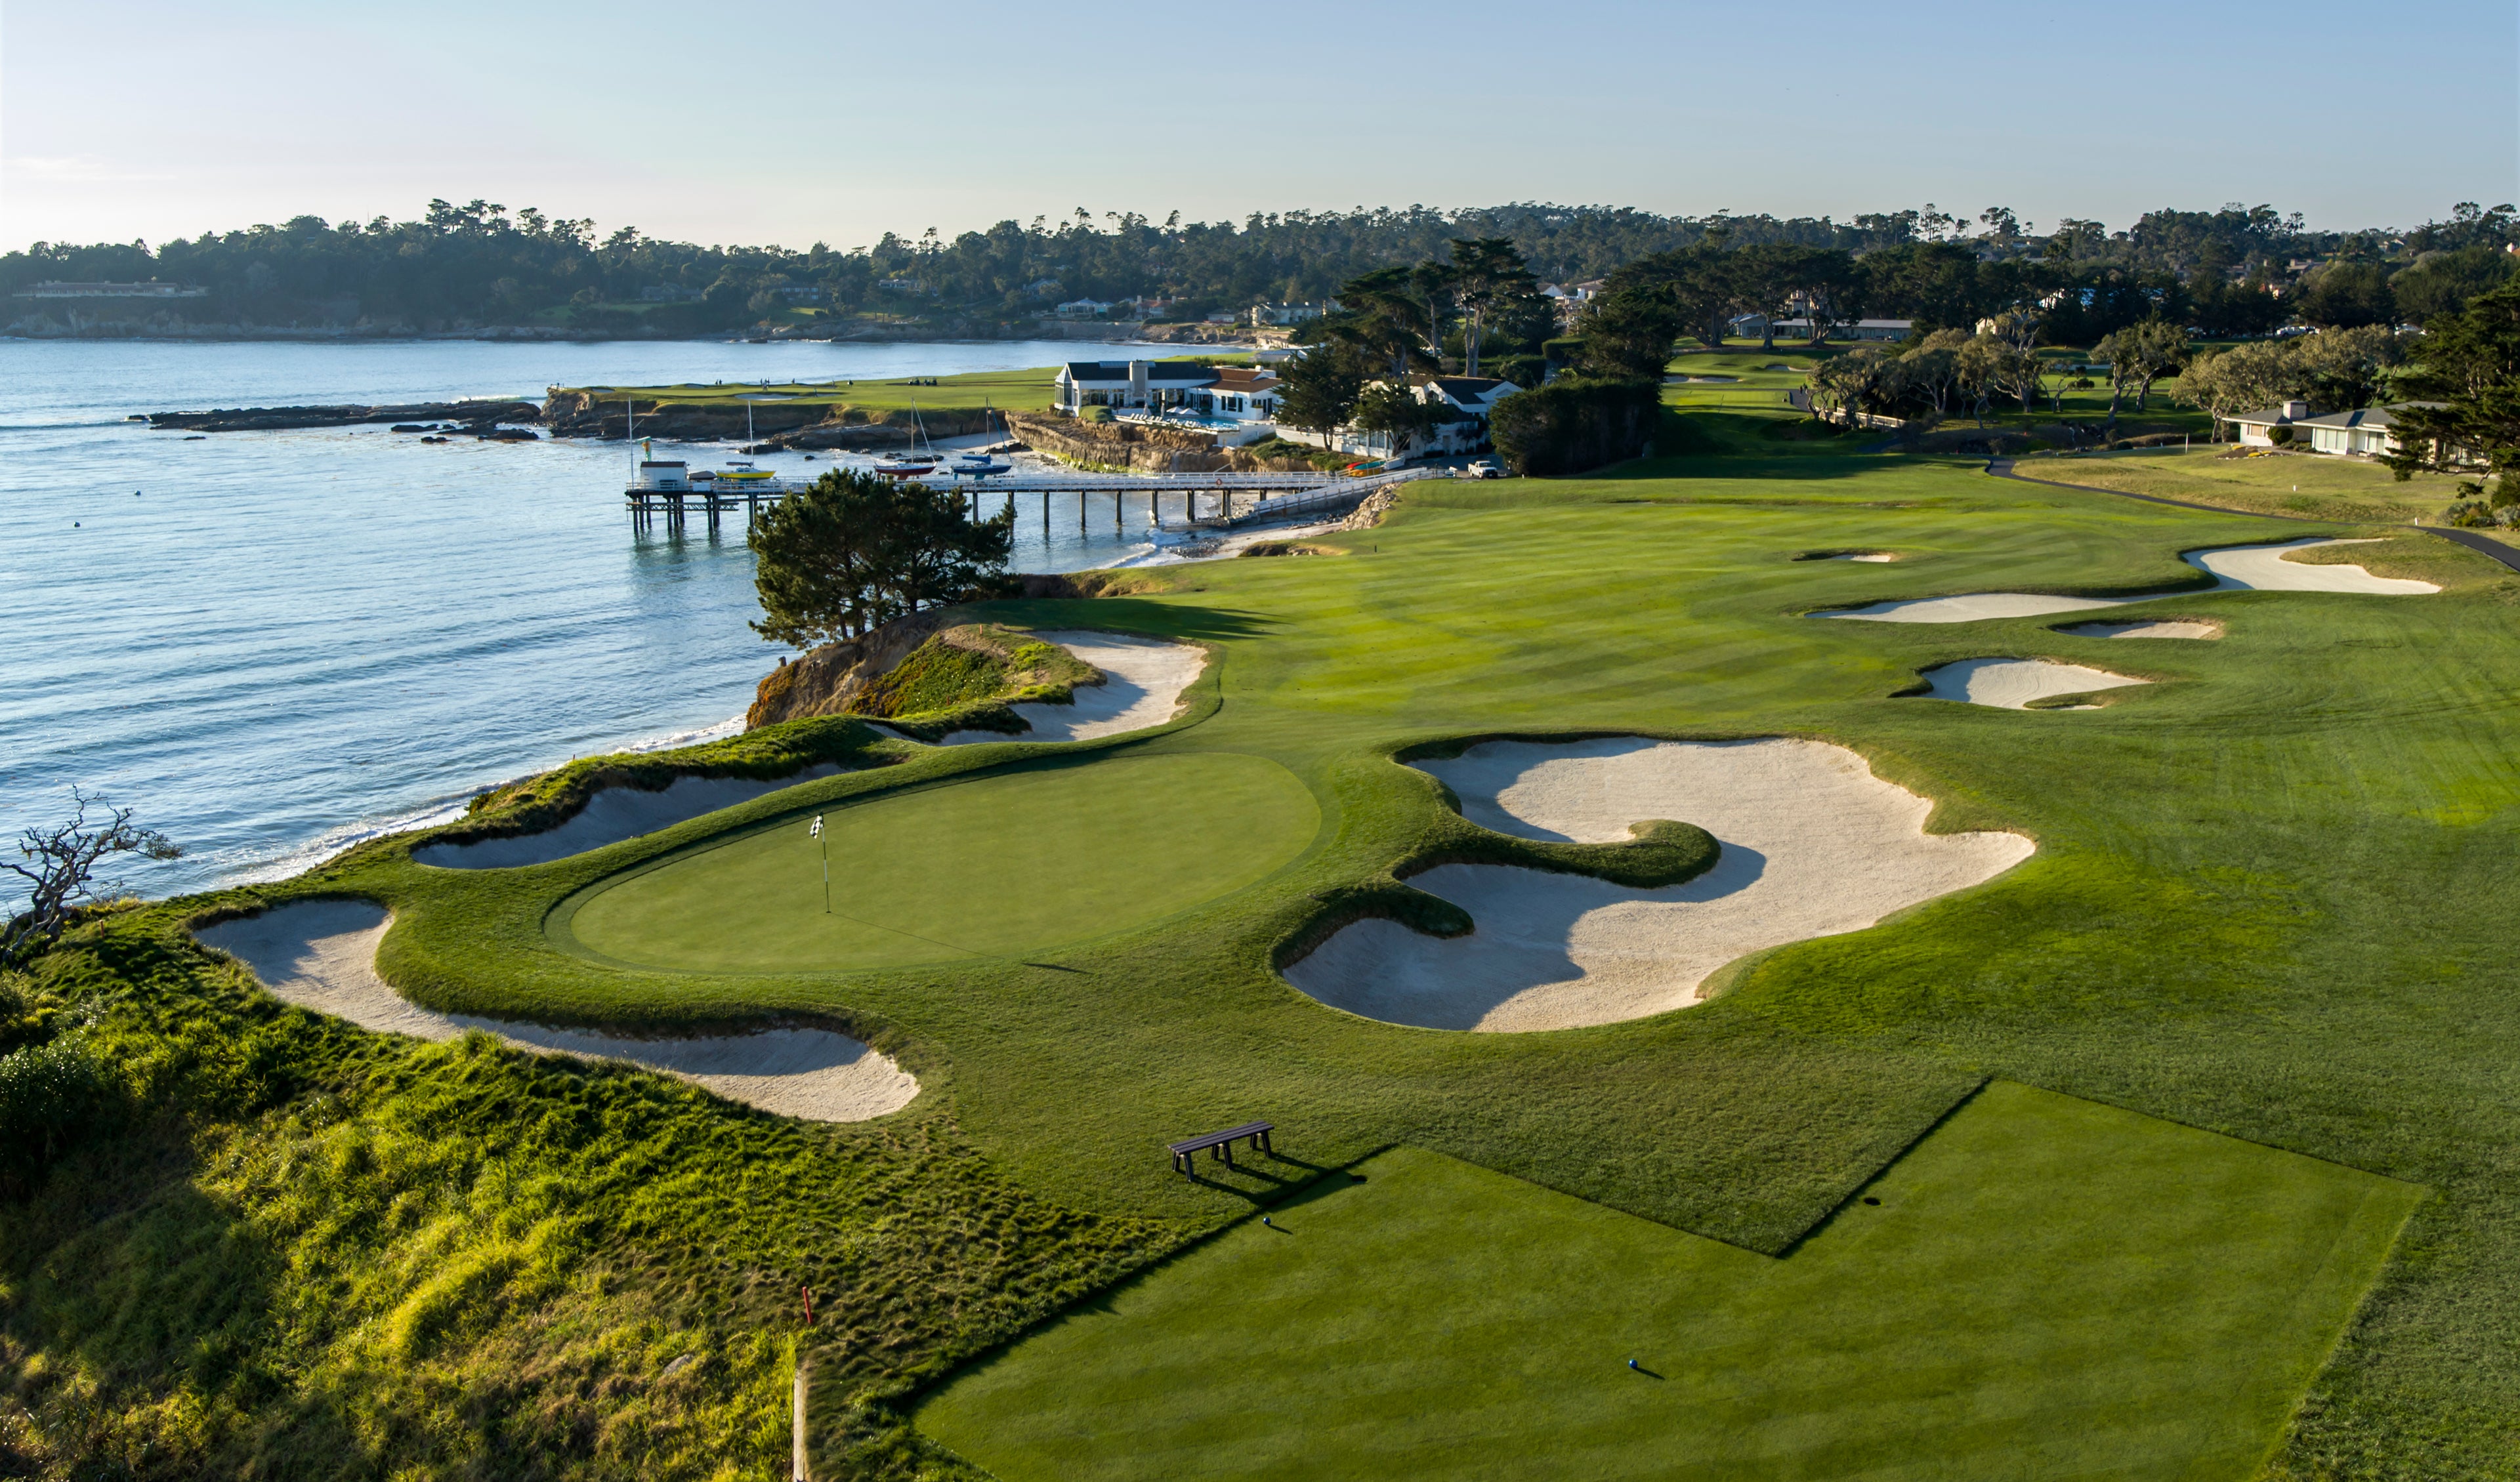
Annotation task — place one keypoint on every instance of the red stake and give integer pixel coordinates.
(809, 1304)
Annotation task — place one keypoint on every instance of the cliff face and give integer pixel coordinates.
(824, 680)
(1138, 448)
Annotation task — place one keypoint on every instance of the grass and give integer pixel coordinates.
(1003, 389)
(2270, 901)
(1011, 864)
(2044, 1287)
(2300, 485)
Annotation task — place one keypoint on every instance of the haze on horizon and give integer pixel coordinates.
(839, 122)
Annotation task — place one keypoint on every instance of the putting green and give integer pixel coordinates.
(2048, 1287)
(1010, 863)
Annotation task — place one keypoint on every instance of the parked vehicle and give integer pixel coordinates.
(1483, 467)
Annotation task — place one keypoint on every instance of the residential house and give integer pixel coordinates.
(2362, 433)
(1085, 309)
(1236, 402)
(1862, 328)
(1263, 314)
(1466, 402)
(1568, 299)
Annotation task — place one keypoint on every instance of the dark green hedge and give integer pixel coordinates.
(1570, 425)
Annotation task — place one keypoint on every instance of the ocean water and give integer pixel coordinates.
(270, 645)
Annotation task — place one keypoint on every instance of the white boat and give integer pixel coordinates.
(919, 458)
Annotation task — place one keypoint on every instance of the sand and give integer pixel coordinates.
(321, 955)
(2268, 569)
(610, 816)
(1142, 682)
(2234, 569)
(2011, 684)
(2167, 628)
(1813, 843)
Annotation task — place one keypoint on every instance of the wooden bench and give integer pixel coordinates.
(1187, 1150)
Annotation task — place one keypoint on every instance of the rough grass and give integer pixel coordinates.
(2302, 486)
(2043, 1287)
(2267, 902)
(328, 1254)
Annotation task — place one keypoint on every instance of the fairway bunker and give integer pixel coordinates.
(1813, 844)
(2234, 569)
(1875, 556)
(2174, 627)
(611, 814)
(321, 955)
(2016, 684)
(1143, 680)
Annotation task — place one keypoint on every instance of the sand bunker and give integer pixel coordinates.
(610, 816)
(1142, 686)
(2011, 684)
(2168, 628)
(321, 955)
(1869, 556)
(2234, 569)
(1813, 843)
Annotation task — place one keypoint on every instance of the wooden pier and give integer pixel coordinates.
(1196, 502)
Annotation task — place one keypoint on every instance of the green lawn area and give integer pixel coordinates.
(1020, 390)
(2045, 1287)
(2271, 899)
(1012, 863)
(2304, 486)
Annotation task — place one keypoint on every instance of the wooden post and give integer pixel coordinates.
(801, 1463)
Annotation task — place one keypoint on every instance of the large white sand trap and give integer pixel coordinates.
(1813, 845)
(321, 955)
(2234, 569)
(2167, 628)
(2011, 684)
(1143, 680)
(610, 816)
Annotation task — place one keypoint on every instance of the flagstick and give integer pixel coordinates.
(827, 863)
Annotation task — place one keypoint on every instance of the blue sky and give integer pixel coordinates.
(836, 122)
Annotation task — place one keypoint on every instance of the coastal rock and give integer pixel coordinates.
(824, 680)
(481, 414)
(1139, 449)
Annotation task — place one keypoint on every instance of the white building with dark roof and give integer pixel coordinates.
(1224, 399)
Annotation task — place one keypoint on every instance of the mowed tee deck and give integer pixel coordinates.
(2044, 1287)
(1010, 862)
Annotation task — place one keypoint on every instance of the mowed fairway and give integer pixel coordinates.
(2047, 1287)
(1009, 863)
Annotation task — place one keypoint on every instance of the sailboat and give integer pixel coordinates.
(976, 463)
(913, 461)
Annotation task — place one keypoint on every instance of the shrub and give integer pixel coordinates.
(2279, 434)
(1573, 425)
(50, 1096)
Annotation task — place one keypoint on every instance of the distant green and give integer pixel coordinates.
(2048, 1287)
(1012, 863)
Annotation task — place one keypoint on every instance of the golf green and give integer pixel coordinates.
(2045, 1287)
(1012, 861)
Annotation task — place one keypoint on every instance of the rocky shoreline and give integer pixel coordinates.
(478, 418)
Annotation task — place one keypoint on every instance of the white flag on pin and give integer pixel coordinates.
(817, 831)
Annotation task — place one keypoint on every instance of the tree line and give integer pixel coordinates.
(477, 263)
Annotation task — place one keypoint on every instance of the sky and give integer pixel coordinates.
(836, 122)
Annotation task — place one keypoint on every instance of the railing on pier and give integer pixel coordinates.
(1279, 495)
